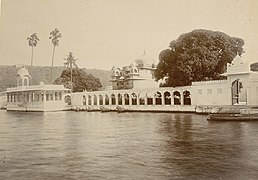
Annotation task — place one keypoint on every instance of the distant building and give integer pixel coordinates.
(139, 74)
(41, 97)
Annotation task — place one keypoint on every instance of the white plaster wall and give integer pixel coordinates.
(148, 83)
(211, 93)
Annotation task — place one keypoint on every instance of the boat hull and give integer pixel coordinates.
(232, 117)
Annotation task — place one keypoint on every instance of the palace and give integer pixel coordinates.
(131, 91)
(140, 74)
(26, 97)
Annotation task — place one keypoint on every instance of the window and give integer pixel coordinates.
(219, 91)
(209, 91)
(199, 91)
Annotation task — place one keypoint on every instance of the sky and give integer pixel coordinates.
(106, 33)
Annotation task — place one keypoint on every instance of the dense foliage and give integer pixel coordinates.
(195, 56)
(81, 80)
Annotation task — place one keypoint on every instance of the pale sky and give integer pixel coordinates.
(103, 33)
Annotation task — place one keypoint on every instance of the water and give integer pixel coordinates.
(94, 145)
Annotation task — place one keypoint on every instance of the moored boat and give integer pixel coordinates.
(233, 117)
(121, 109)
(104, 109)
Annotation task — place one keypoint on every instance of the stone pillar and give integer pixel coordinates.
(138, 99)
(130, 99)
(116, 95)
(110, 99)
(98, 99)
(248, 100)
(145, 100)
(172, 99)
(181, 97)
(162, 98)
(44, 96)
(123, 99)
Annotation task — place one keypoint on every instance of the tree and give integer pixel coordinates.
(70, 63)
(33, 41)
(81, 80)
(55, 35)
(196, 56)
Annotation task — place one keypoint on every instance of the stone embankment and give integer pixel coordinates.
(177, 108)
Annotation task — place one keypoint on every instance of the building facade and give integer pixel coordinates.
(240, 88)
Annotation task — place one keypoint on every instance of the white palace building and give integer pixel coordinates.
(26, 97)
(134, 89)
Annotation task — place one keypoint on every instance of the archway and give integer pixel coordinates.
(68, 99)
(167, 98)
(106, 100)
(187, 97)
(113, 99)
(84, 100)
(141, 99)
(95, 100)
(126, 96)
(134, 99)
(149, 98)
(158, 97)
(177, 98)
(235, 90)
(89, 100)
(100, 99)
(119, 99)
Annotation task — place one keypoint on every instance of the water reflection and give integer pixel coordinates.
(196, 150)
(79, 145)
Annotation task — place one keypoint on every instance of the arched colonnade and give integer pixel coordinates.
(125, 97)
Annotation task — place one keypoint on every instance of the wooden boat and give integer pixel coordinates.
(104, 109)
(121, 109)
(233, 117)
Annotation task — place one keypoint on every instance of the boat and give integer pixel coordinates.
(233, 117)
(121, 109)
(104, 109)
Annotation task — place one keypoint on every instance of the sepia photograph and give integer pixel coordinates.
(128, 89)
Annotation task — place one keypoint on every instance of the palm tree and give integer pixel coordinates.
(70, 63)
(54, 36)
(33, 41)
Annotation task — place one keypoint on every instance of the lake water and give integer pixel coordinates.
(94, 145)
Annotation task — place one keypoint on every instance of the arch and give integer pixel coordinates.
(134, 99)
(177, 98)
(126, 96)
(100, 99)
(149, 98)
(119, 99)
(113, 99)
(106, 100)
(167, 98)
(84, 100)
(89, 100)
(235, 91)
(25, 82)
(68, 99)
(142, 99)
(95, 100)
(187, 97)
(158, 97)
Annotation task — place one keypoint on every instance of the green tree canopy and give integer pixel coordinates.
(81, 80)
(196, 56)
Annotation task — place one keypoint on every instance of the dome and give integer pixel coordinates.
(23, 72)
